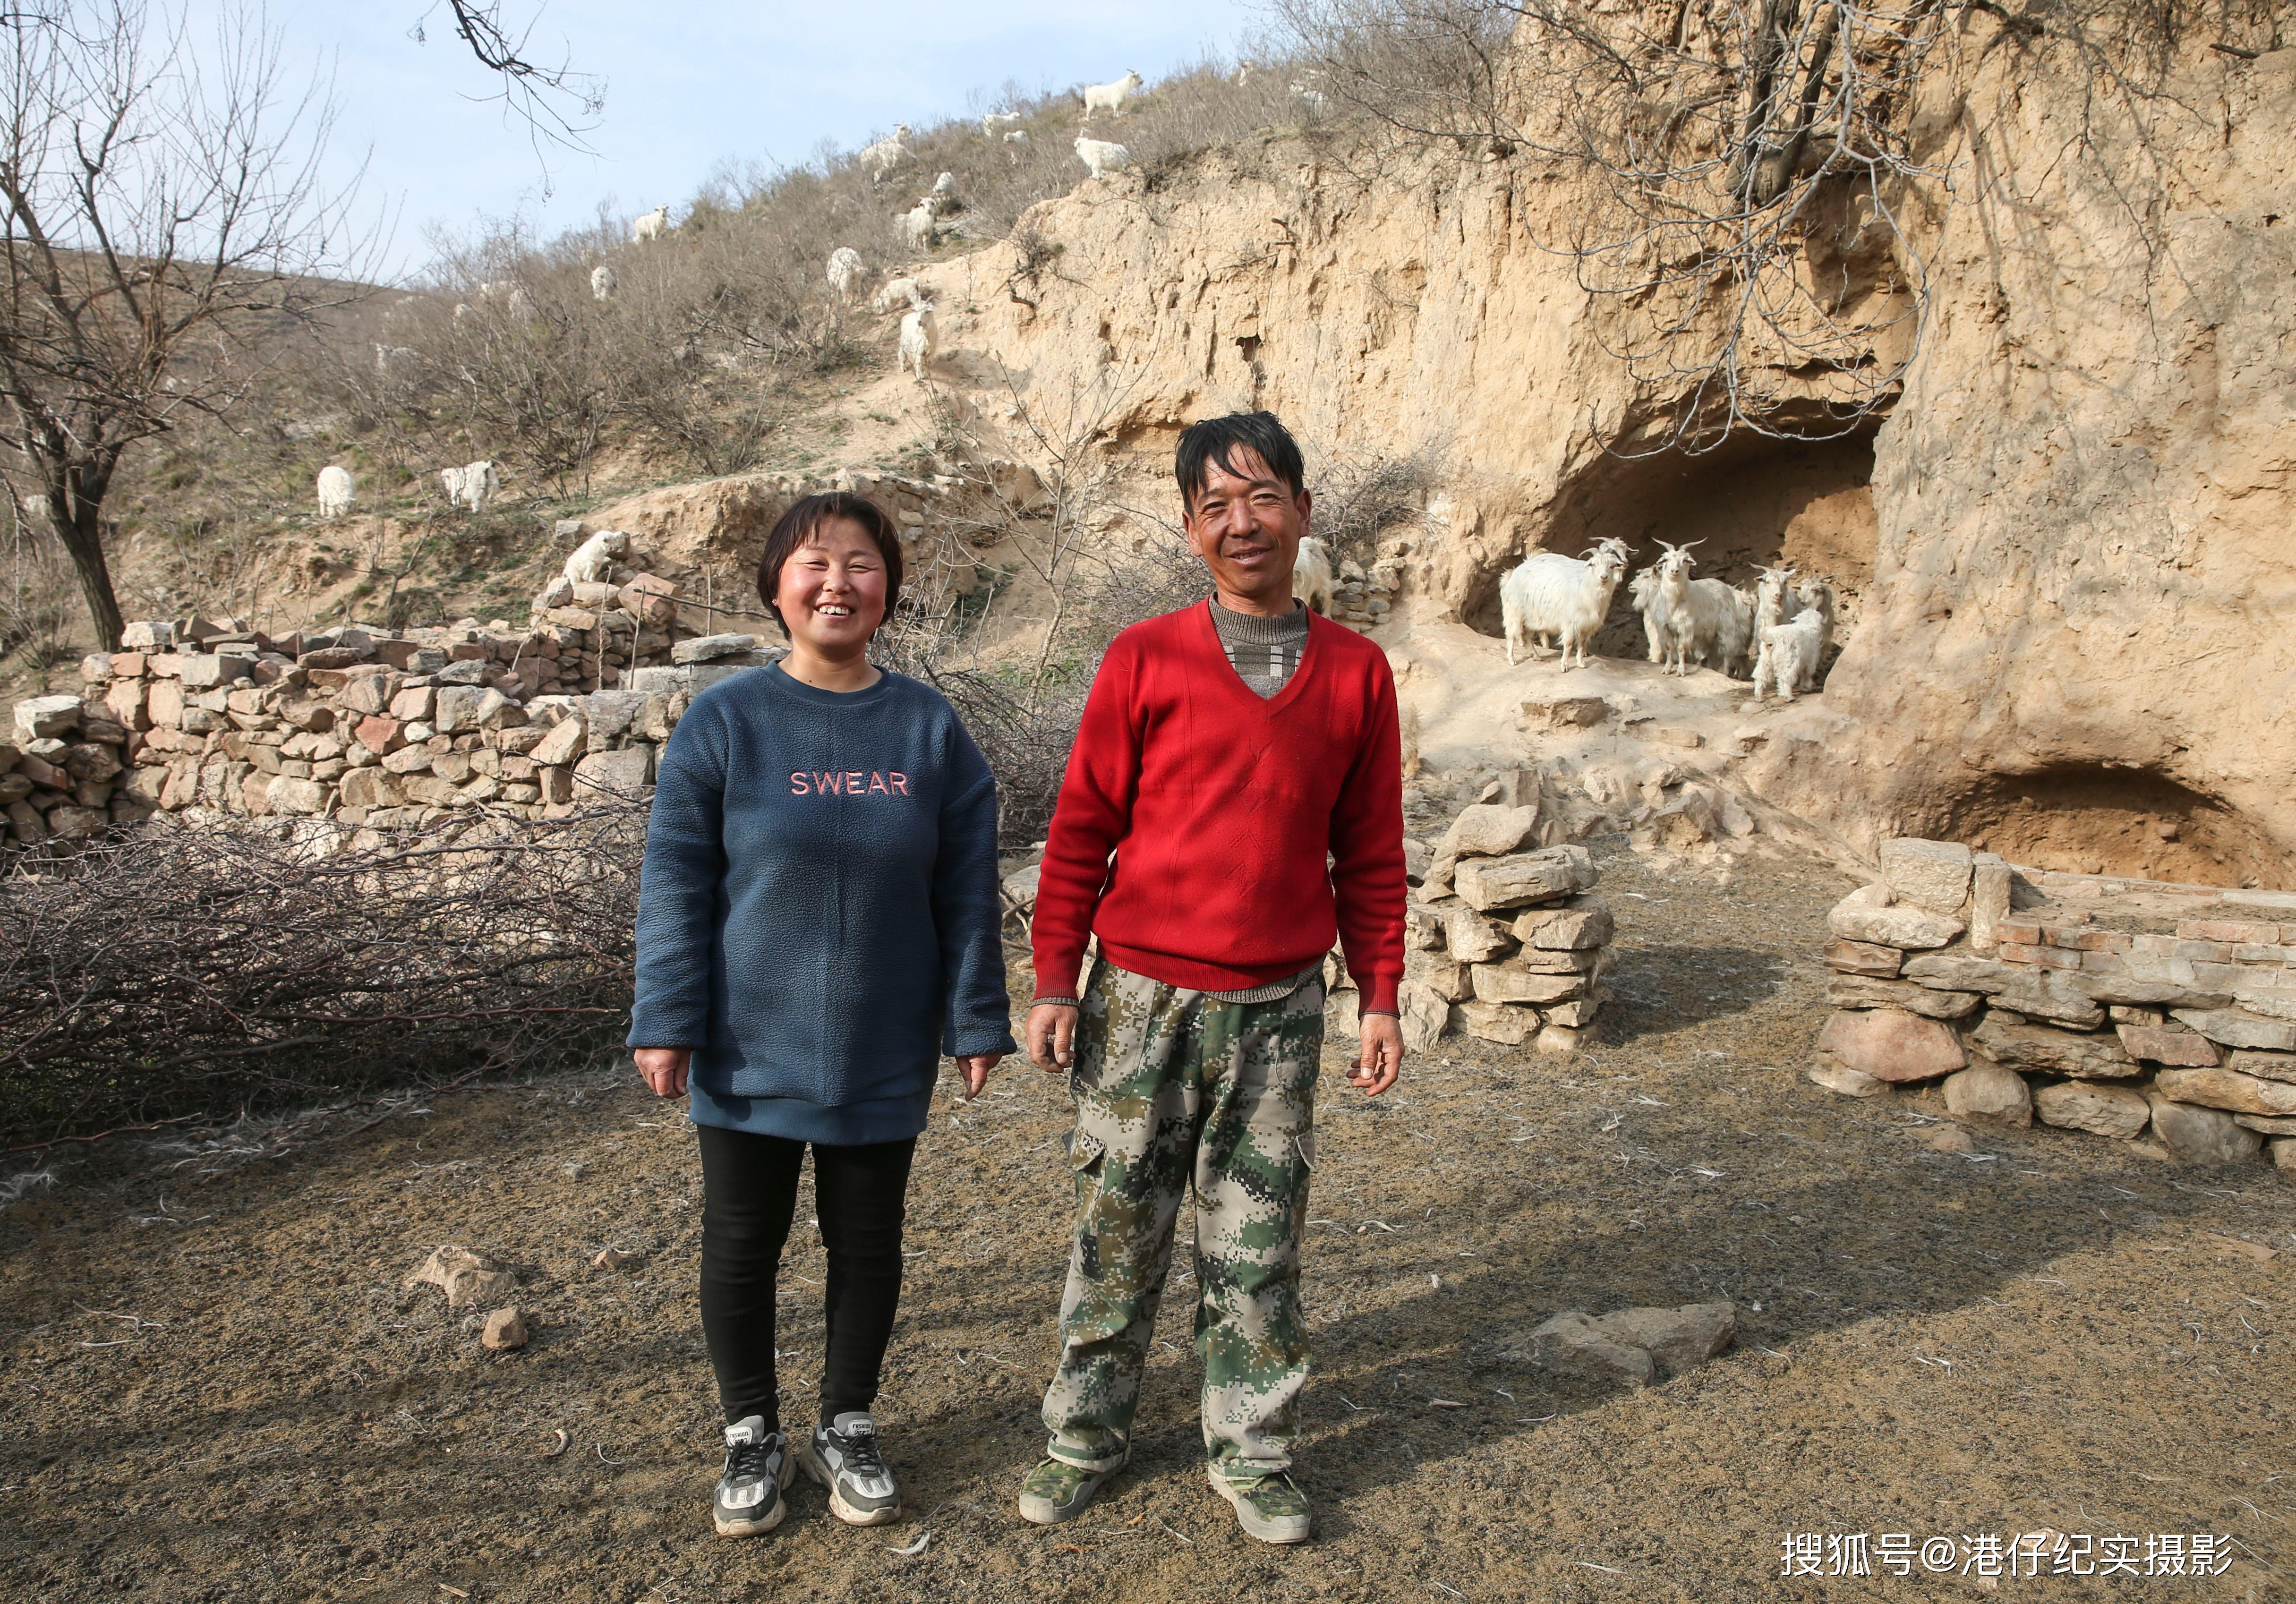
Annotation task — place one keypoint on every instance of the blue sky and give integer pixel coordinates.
(691, 83)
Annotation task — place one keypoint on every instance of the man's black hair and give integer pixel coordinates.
(1209, 442)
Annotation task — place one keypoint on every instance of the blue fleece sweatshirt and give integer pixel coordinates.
(818, 916)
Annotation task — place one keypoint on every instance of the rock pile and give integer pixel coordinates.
(1504, 944)
(1362, 596)
(2111, 1006)
(365, 728)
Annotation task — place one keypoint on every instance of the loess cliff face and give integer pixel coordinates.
(2064, 555)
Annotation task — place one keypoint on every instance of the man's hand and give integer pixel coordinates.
(665, 1068)
(1382, 1054)
(1051, 1036)
(973, 1068)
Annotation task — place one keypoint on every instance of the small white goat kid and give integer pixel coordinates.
(897, 292)
(337, 490)
(916, 345)
(844, 271)
(1817, 595)
(1111, 97)
(1788, 655)
(888, 153)
(603, 283)
(652, 226)
(1771, 588)
(1642, 595)
(1311, 575)
(472, 485)
(591, 561)
(1566, 597)
(1101, 157)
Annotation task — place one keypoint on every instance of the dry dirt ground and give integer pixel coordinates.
(214, 1387)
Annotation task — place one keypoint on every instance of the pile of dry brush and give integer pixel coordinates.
(181, 970)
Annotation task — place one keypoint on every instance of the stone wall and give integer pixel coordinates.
(2125, 1008)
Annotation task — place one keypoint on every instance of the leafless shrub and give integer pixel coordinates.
(181, 968)
(1360, 496)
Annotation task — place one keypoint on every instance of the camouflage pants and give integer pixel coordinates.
(1173, 1087)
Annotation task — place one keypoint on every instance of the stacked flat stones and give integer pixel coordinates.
(2189, 1035)
(1360, 596)
(1506, 944)
(363, 729)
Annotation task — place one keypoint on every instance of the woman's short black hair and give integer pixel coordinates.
(801, 524)
(1211, 440)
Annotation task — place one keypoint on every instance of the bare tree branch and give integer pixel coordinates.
(558, 104)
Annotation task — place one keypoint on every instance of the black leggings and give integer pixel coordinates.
(749, 1194)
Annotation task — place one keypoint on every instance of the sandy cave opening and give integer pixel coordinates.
(1750, 503)
(2100, 819)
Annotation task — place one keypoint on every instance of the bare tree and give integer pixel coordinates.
(165, 227)
(559, 104)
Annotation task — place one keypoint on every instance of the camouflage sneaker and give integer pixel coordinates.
(1057, 1490)
(1271, 1508)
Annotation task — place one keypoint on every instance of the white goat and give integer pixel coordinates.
(1111, 97)
(944, 200)
(992, 121)
(1018, 136)
(888, 153)
(593, 561)
(1789, 654)
(603, 283)
(388, 356)
(1314, 99)
(844, 271)
(652, 226)
(1102, 157)
(1770, 591)
(1244, 69)
(472, 485)
(921, 225)
(1642, 595)
(1567, 597)
(510, 293)
(1695, 620)
(916, 345)
(897, 292)
(1818, 596)
(337, 491)
(1311, 575)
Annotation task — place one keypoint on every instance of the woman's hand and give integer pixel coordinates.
(665, 1068)
(974, 1068)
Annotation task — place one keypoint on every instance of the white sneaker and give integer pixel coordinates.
(843, 1457)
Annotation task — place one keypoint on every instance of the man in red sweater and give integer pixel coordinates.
(1233, 803)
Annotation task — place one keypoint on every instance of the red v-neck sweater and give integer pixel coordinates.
(1192, 827)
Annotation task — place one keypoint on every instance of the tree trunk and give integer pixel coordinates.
(82, 535)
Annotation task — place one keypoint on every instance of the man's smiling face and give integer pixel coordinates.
(1246, 524)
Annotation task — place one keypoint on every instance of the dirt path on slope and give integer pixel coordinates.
(214, 1387)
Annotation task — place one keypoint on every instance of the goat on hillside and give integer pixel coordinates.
(1818, 596)
(337, 491)
(472, 485)
(1567, 597)
(1642, 595)
(603, 283)
(920, 226)
(1772, 586)
(1111, 97)
(1101, 157)
(916, 344)
(1311, 575)
(993, 121)
(844, 271)
(652, 226)
(1788, 655)
(593, 561)
(888, 153)
(899, 292)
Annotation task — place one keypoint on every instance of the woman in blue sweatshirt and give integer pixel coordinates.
(819, 924)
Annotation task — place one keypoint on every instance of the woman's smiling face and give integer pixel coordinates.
(832, 593)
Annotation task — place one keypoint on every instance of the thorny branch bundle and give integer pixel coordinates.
(189, 967)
